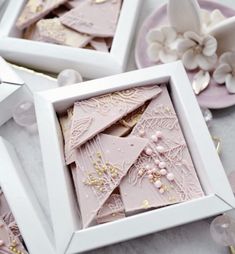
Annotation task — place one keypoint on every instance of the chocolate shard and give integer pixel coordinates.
(93, 18)
(101, 164)
(94, 115)
(113, 209)
(35, 10)
(164, 173)
(52, 31)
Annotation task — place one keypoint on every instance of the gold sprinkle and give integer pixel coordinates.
(145, 204)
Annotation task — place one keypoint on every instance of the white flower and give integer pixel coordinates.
(211, 19)
(225, 72)
(198, 51)
(162, 45)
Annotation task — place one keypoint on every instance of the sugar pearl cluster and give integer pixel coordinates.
(158, 170)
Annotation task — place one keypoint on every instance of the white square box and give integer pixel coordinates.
(29, 216)
(69, 237)
(12, 91)
(55, 58)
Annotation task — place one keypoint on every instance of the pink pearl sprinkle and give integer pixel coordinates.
(160, 149)
(159, 134)
(147, 167)
(140, 172)
(1, 242)
(154, 138)
(162, 164)
(149, 172)
(154, 170)
(141, 133)
(150, 176)
(149, 151)
(158, 184)
(170, 176)
(156, 162)
(163, 172)
(161, 190)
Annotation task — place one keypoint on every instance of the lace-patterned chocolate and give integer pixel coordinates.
(101, 164)
(9, 243)
(112, 209)
(164, 173)
(94, 115)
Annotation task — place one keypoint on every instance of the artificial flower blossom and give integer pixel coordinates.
(225, 72)
(162, 45)
(198, 51)
(211, 19)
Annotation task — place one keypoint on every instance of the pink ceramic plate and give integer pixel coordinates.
(215, 96)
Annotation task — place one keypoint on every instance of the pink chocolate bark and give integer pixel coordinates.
(101, 164)
(9, 243)
(94, 115)
(99, 44)
(113, 209)
(95, 18)
(51, 30)
(34, 10)
(164, 174)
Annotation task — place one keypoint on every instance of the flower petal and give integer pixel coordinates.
(224, 34)
(230, 83)
(200, 81)
(206, 62)
(193, 36)
(169, 33)
(153, 51)
(221, 72)
(210, 45)
(167, 55)
(190, 60)
(155, 35)
(185, 45)
(184, 16)
(229, 58)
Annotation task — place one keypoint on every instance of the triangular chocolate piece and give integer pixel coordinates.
(52, 31)
(94, 115)
(101, 164)
(96, 18)
(34, 10)
(164, 173)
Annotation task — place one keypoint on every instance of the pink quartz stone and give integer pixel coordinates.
(100, 168)
(52, 31)
(96, 19)
(113, 209)
(94, 115)
(35, 10)
(160, 116)
(99, 44)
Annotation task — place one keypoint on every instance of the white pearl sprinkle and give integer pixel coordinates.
(141, 133)
(154, 138)
(160, 149)
(147, 167)
(149, 151)
(156, 162)
(158, 184)
(159, 134)
(161, 190)
(163, 172)
(170, 176)
(162, 164)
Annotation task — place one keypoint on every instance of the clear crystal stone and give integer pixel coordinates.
(24, 114)
(68, 77)
(207, 115)
(222, 230)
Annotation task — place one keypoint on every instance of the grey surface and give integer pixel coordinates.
(191, 238)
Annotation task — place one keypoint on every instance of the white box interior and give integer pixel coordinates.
(197, 137)
(54, 58)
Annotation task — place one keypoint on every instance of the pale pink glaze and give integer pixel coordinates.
(104, 151)
(179, 182)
